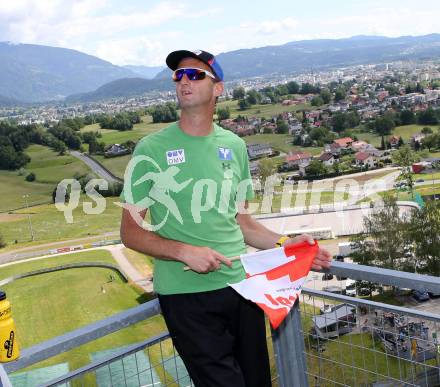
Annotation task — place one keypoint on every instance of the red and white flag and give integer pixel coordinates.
(275, 278)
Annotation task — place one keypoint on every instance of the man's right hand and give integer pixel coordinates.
(202, 259)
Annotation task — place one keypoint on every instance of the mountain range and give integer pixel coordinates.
(147, 72)
(324, 53)
(32, 73)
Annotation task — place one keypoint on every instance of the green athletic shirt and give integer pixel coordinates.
(191, 185)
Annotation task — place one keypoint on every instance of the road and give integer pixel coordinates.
(342, 222)
(39, 250)
(95, 167)
(117, 252)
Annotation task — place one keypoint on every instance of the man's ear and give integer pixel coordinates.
(219, 88)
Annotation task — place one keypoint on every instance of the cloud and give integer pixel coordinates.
(144, 32)
(96, 27)
(374, 18)
(139, 50)
(274, 27)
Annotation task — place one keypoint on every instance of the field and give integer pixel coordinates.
(52, 304)
(275, 205)
(49, 224)
(142, 262)
(405, 132)
(14, 187)
(55, 303)
(266, 111)
(344, 360)
(116, 165)
(146, 127)
(429, 189)
(280, 142)
(49, 169)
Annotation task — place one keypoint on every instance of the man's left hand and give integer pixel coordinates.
(323, 257)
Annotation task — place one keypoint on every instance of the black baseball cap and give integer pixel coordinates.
(174, 58)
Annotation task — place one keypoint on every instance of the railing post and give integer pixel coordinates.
(290, 356)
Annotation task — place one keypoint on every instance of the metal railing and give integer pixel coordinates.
(368, 343)
(355, 342)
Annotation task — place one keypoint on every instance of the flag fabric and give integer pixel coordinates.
(275, 278)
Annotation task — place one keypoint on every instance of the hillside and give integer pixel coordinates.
(324, 53)
(7, 101)
(33, 73)
(290, 58)
(147, 72)
(125, 87)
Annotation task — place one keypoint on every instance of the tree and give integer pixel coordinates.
(382, 144)
(431, 141)
(339, 94)
(308, 88)
(238, 93)
(336, 167)
(424, 234)
(326, 95)
(317, 101)
(338, 122)
(73, 141)
(383, 125)
(266, 168)
(407, 117)
(292, 87)
(243, 104)
(383, 241)
(11, 159)
(93, 146)
(428, 117)
(282, 126)
(253, 97)
(59, 147)
(281, 90)
(352, 119)
(316, 168)
(223, 113)
(404, 157)
(164, 112)
(426, 130)
(2, 241)
(31, 177)
(320, 135)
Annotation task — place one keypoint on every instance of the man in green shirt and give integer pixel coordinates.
(194, 178)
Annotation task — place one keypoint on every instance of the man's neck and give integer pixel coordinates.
(195, 123)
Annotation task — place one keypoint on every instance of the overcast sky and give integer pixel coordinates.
(142, 32)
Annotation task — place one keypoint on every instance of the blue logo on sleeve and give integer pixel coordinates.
(225, 154)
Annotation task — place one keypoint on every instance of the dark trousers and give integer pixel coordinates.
(220, 337)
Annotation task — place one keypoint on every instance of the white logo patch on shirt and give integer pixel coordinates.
(175, 156)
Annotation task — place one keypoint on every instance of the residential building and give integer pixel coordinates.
(344, 142)
(394, 141)
(298, 158)
(417, 139)
(359, 145)
(364, 159)
(116, 150)
(256, 151)
(333, 148)
(327, 159)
